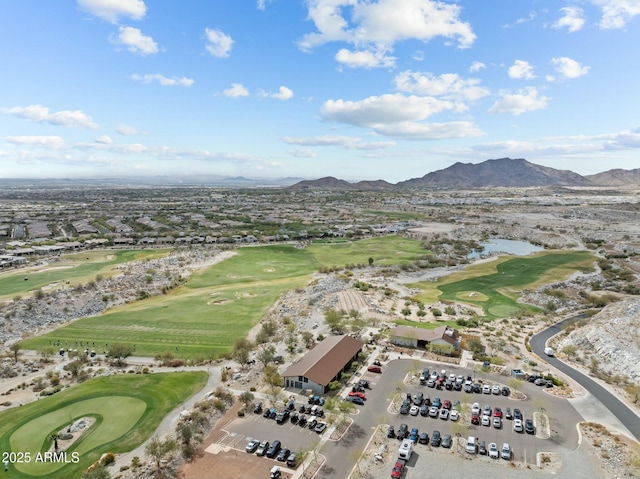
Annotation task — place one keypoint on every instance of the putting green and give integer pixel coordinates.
(115, 416)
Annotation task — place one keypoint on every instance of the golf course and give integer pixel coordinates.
(126, 409)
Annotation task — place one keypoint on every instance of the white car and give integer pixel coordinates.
(475, 409)
(506, 451)
(454, 415)
(434, 375)
(486, 421)
(497, 422)
(517, 425)
(493, 451)
(414, 410)
(495, 390)
(444, 414)
(433, 411)
(486, 389)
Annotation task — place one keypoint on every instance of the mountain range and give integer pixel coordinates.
(503, 172)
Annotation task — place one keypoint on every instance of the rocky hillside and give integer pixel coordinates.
(613, 337)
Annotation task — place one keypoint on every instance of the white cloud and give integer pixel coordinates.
(349, 142)
(617, 13)
(476, 67)
(104, 139)
(303, 153)
(218, 44)
(127, 130)
(135, 41)
(163, 80)
(521, 69)
(447, 85)
(519, 102)
(262, 4)
(376, 26)
(237, 90)
(41, 114)
(569, 68)
(283, 94)
(573, 19)
(429, 131)
(49, 142)
(112, 10)
(364, 59)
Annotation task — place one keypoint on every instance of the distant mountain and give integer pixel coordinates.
(617, 177)
(504, 172)
(331, 183)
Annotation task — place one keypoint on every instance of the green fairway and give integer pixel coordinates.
(495, 286)
(425, 325)
(72, 268)
(385, 250)
(127, 410)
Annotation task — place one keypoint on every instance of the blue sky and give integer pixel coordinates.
(357, 89)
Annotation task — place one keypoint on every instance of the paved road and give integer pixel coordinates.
(619, 409)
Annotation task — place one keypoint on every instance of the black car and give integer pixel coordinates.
(302, 408)
(292, 460)
(517, 414)
(358, 401)
(283, 455)
(293, 418)
(417, 400)
(257, 408)
(274, 449)
(302, 420)
(482, 448)
(403, 432)
(505, 391)
(423, 438)
(529, 428)
(312, 423)
(424, 410)
(364, 383)
(477, 388)
(404, 409)
(391, 433)
(446, 441)
(282, 417)
(436, 439)
(266, 413)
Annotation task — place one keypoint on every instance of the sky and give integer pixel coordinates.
(356, 89)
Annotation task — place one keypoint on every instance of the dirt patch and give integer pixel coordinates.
(618, 456)
(73, 432)
(218, 302)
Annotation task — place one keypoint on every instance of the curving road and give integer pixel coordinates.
(619, 409)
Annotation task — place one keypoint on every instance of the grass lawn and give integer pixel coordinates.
(74, 268)
(428, 325)
(127, 409)
(495, 286)
(203, 318)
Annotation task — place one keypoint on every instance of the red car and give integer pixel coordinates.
(475, 419)
(446, 404)
(358, 394)
(398, 469)
(497, 412)
(374, 369)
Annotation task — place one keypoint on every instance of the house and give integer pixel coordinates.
(443, 338)
(323, 364)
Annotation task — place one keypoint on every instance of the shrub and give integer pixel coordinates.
(108, 458)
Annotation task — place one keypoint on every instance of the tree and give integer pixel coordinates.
(119, 352)
(159, 449)
(15, 348)
(246, 398)
(405, 312)
(307, 337)
(266, 354)
(334, 320)
(370, 261)
(241, 350)
(569, 350)
(47, 352)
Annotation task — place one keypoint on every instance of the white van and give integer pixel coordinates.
(471, 445)
(405, 450)
(548, 351)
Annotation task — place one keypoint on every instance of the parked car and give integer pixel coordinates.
(529, 427)
(293, 418)
(475, 419)
(486, 421)
(493, 451)
(374, 369)
(486, 389)
(274, 449)
(495, 390)
(391, 433)
(356, 400)
(275, 473)
(517, 414)
(497, 422)
(475, 408)
(446, 404)
(431, 383)
(417, 400)
(282, 416)
(505, 453)
(413, 435)
(257, 408)
(505, 391)
(364, 383)
(517, 425)
(423, 438)
(427, 401)
(292, 460)
(302, 421)
(436, 438)
(507, 413)
(468, 387)
(497, 412)
(446, 441)
(398, 469)
(424, 410)
(252, 446)
(312, 423)
(359, 394)
(262, 448)
(283, 455)
(405, 408)
(433, 411)
(436, 402)
(403, 432)
(414, 410)
(454, 415)
(482, 448)
(486, 411)
(320, 427)
(476, 388)
(444, 414)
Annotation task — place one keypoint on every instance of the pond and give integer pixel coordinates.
(515, 247)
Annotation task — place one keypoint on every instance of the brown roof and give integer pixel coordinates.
(326, 360)
(421, 334)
